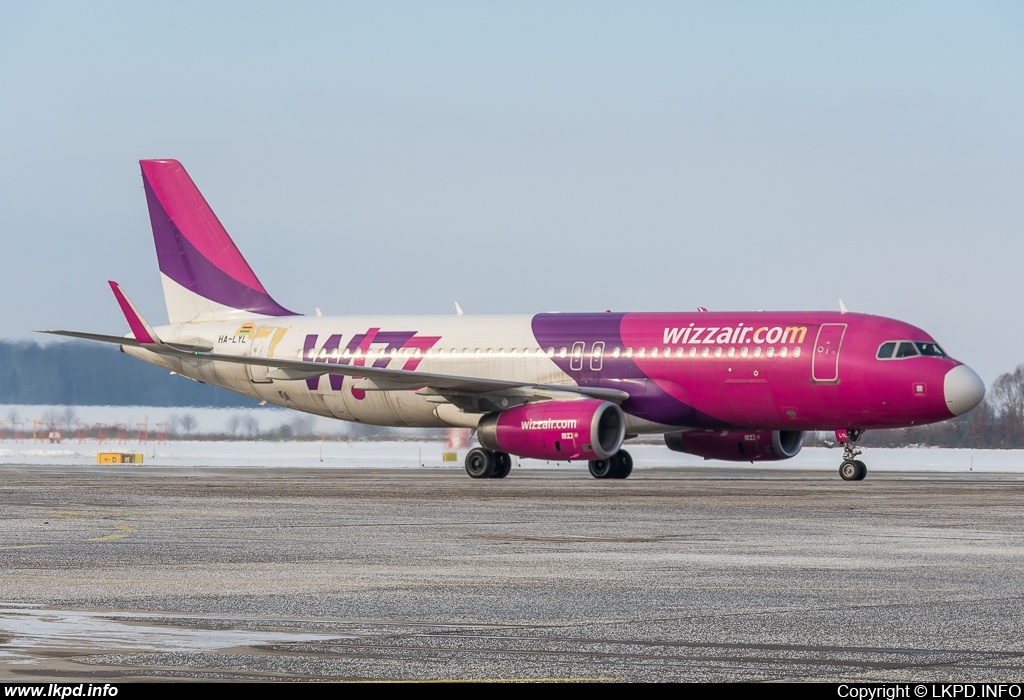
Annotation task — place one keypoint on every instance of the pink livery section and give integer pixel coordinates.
(763, 370)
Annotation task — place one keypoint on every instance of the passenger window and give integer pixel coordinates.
(693, 352)
(906, 349)
(654, 352)
(930, 350)
(783, 351)
(796, 351)
(616, 352)
(885, 352)
(679, 352)
(629, 352)
(640, 352)
(743, 351)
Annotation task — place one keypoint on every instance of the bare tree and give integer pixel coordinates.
(252, 426)
(68, 417)
(1007, 397)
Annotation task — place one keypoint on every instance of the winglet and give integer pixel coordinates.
(143, 331)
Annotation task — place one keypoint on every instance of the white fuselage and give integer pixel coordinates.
(492, 347)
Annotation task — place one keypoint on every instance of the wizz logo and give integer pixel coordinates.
(386, 347)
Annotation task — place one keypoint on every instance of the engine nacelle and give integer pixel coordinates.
(556, 430)
(738, 445)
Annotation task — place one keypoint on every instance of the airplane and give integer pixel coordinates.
(738, 386)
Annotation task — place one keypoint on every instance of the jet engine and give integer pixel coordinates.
(738, 445)
(587, 429)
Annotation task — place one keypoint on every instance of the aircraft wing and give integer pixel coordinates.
(373, 378)
(444, 386)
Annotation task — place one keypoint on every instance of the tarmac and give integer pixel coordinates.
(111, 574)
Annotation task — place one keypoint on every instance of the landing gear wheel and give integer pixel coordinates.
(862, 470)
(601, 468)
(852, 469)
(481, 463)
(618, 466)
(502, 465)
(623, 462)
(847, 470)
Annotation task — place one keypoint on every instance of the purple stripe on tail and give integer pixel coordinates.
(192, 247)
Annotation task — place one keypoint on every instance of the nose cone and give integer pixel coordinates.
(963, 389)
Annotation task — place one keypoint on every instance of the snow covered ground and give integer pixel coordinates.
(403, 455)
(358, 454)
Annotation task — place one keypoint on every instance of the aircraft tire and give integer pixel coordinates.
(503, 465)
(623, 462)
(601, 468)
(480, 463)
(849, 470)
(862, 470)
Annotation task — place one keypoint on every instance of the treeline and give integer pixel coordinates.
(90, 374)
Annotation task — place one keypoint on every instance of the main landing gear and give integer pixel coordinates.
(488, 464)
(852, 469)
(618, 466)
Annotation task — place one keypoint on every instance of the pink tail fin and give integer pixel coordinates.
(205, 276)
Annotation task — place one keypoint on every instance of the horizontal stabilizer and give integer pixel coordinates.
(115, 339)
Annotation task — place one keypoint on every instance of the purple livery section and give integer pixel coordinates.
(192, 247)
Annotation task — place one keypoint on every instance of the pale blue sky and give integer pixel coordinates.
(396, 157)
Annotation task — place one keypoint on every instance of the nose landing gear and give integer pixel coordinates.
(852, 469)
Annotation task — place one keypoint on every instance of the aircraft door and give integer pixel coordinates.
(263, 343)
(825, 365)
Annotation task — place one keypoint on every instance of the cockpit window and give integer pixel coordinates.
(930, 350)
(906, 349)
(900, 349)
